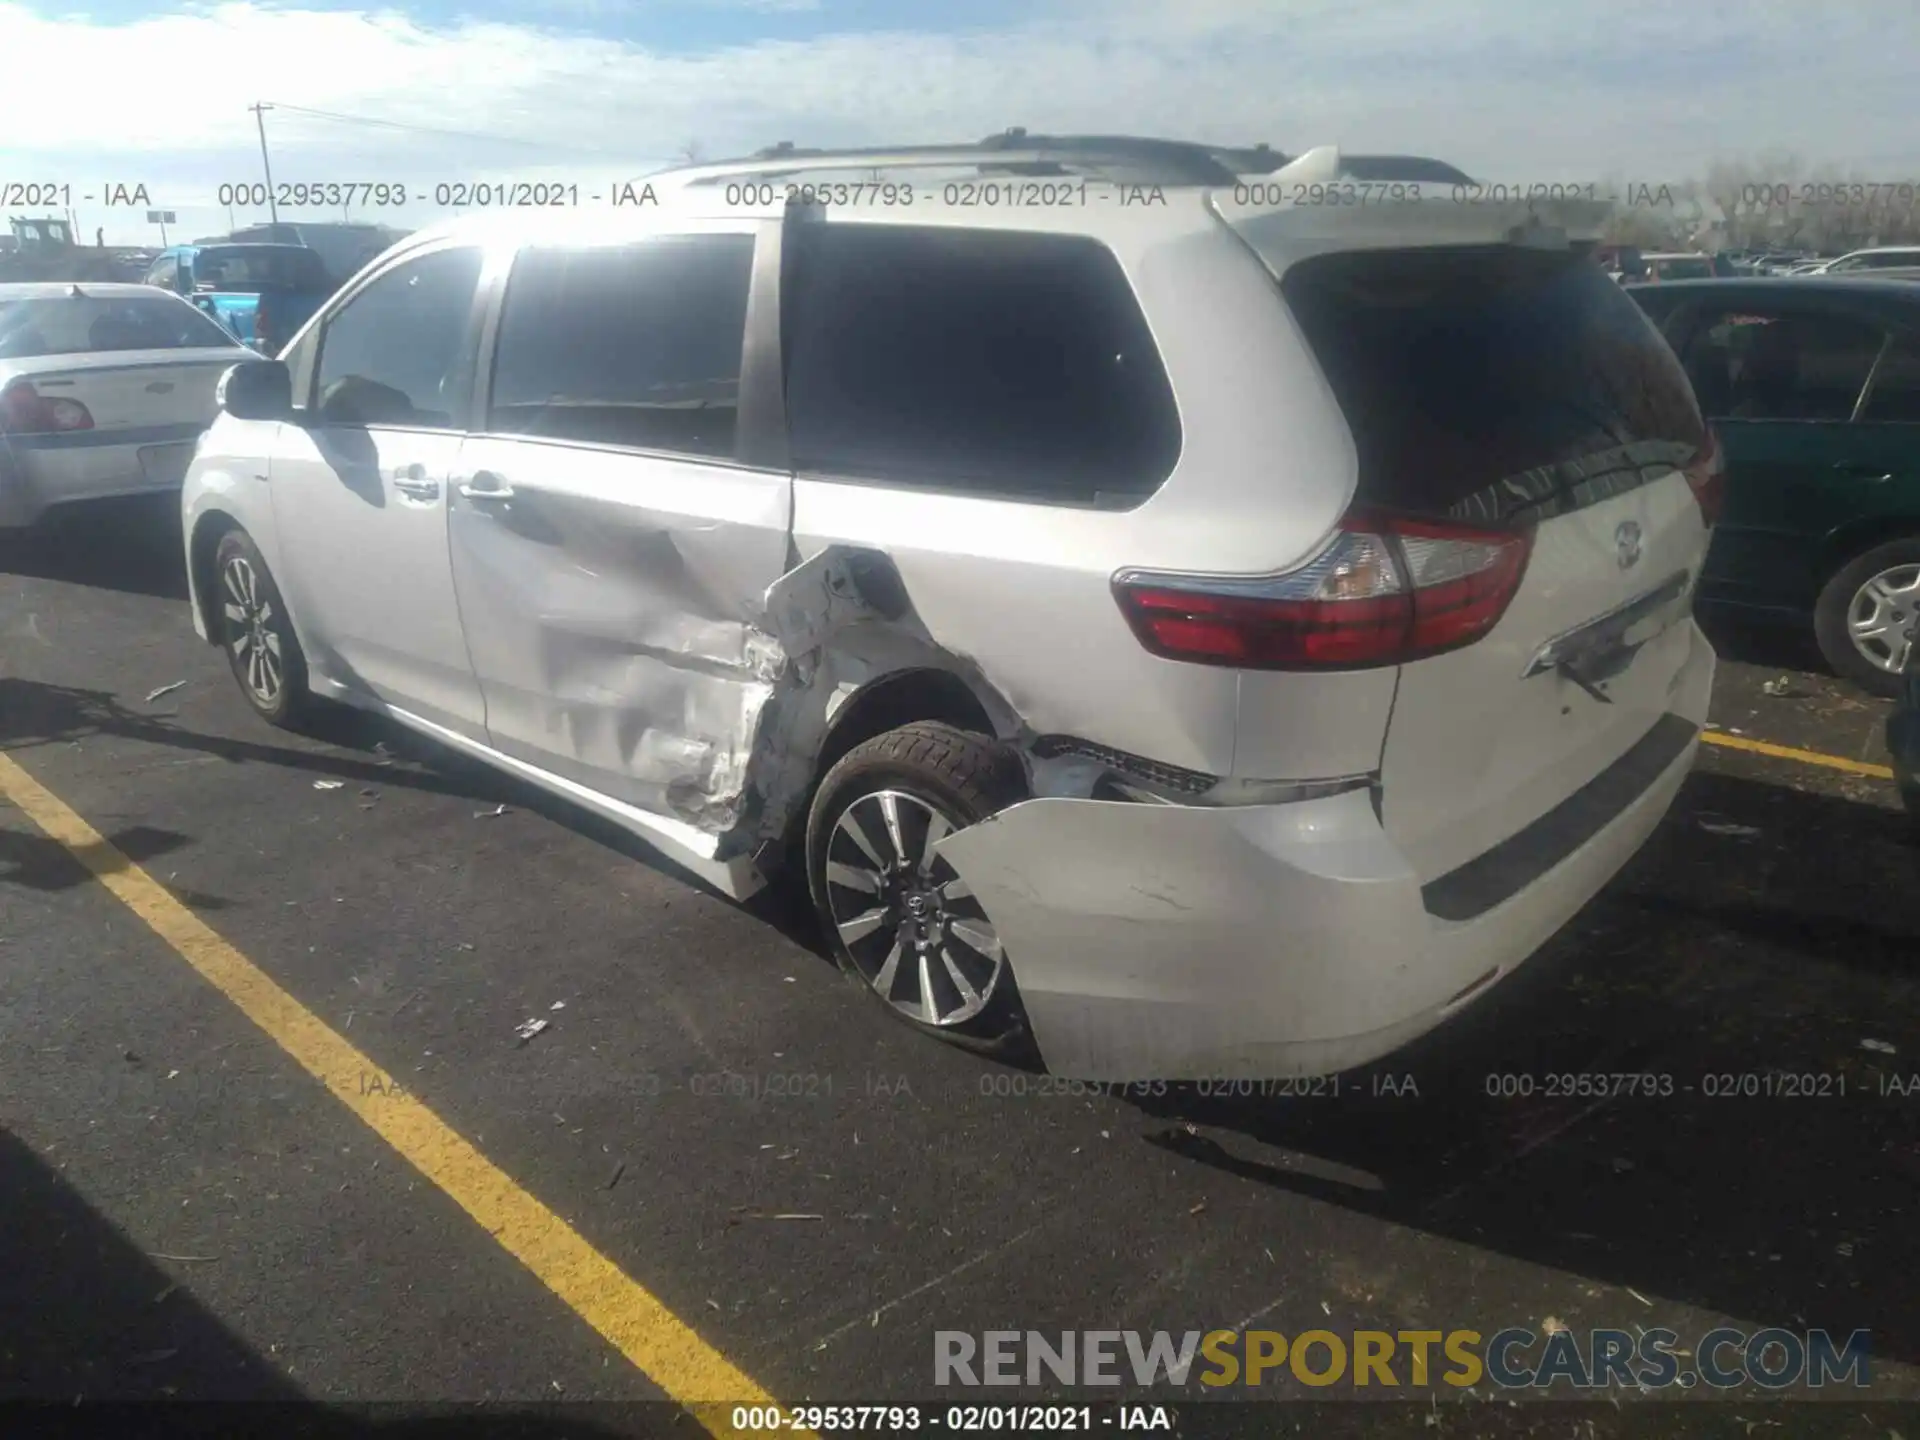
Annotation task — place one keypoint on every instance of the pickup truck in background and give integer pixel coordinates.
(343, 247)
(260, 293)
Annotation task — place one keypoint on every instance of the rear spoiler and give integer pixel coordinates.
(1312, 206)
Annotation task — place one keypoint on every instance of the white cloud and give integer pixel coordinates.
(1556, 89)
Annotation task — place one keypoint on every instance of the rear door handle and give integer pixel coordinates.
(414, 484)
(1863, 472)
(486, 485)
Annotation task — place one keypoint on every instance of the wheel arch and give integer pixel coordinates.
(208, 529)
(1856, 537)
(921, 692)
(914, 691)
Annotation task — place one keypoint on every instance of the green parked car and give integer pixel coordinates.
(1813, 388)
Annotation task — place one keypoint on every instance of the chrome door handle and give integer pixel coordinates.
(415, 488)
(486, 485)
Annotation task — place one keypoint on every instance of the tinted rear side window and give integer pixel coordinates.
(1482, 382)
(1761, 364)
(993, 362)
(635, 345)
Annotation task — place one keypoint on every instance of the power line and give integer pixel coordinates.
(452, 134)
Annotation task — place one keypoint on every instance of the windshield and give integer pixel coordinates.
(258, 267)
(80, 325)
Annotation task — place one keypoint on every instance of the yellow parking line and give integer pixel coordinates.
(1805, 757)
(663, 1346)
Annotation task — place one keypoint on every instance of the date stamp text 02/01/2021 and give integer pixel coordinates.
(1008, 194)
(972, 193)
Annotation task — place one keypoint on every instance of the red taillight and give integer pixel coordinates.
(25, 411)
(1385, 591)
(1707, 475)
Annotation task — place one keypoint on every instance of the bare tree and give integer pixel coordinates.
(1765, 202)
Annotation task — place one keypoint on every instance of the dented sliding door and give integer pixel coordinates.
(611, 549)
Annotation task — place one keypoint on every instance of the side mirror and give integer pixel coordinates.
(256, 390)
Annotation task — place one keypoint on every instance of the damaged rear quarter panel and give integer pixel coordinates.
(1034, 616)
(841, 620)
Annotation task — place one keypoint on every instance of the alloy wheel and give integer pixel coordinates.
(252, 631)
(1882, 616)
(911, 925)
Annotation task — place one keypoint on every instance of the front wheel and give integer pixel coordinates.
(257, 634)
(901, 921)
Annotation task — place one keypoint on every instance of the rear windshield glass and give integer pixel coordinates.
(1484, 382)
(250, 268)
(343, 249)
(78, 325)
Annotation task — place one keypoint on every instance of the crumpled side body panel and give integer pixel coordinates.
(842, 620)
(618, 638)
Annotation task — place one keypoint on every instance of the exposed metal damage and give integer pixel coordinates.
(842, 620)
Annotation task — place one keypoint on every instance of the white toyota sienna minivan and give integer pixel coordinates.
(1195, 628)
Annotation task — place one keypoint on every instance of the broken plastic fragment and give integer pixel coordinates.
(153, 695)
(1880, 1045)
(328, 784)
(527, 1029)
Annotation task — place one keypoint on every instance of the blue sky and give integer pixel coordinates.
(589, 91)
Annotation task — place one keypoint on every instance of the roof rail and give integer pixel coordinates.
(1242, 160)
(1131, 159)
(1125, 159)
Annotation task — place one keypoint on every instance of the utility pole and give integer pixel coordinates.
(260, 119)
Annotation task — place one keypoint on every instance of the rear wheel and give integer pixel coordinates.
(1867, 613)
(255, 631)
(901, 922)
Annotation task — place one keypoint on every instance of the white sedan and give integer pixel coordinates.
(104, 391)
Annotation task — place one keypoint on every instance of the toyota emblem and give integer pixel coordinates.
(1626, 544)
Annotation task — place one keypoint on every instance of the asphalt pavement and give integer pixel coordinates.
(801, 1185)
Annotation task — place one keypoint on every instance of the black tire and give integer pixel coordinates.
(962, 778)
(241, 623)
(1834, 610)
